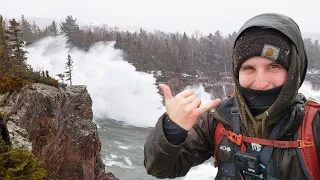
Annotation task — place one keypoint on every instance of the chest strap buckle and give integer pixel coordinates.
(232, 136)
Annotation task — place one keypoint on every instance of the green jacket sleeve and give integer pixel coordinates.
(164, 160)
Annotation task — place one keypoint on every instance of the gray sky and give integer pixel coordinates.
(168, 15)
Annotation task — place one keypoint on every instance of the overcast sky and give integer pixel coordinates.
(168, 15)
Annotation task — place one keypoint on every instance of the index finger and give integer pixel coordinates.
(208, 106)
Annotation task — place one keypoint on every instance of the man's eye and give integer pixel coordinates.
(248, 68)
(273, 66)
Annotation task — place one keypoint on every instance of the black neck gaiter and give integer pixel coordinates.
(259, 101)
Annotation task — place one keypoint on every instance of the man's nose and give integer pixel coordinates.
(262, 81)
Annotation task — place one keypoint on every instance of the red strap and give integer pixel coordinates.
(279, 144)
(310, 155)
(238, 139)
(217, 138)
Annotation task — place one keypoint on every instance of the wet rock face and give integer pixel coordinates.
(58, 123)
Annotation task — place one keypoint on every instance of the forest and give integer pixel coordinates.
(196, 55)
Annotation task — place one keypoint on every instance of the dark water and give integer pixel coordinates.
(122, 149)
(122, 152)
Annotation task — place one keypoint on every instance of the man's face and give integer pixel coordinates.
(260, 73)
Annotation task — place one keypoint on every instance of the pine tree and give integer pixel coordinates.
(4, 49)
(53, 29)
(119, 41)
(184, 54)
(27, 36)
(69, 67)
(71, 29)
(16, 44)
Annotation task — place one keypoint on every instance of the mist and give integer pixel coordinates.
(118, 91)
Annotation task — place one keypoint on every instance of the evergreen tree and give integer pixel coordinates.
(36, 31)
(184, 57)
(4, 49)
(16, 45)
(69, 67)
(27, 36)
(118, 44)
(316, 53)
(53, 28)
(71, 30)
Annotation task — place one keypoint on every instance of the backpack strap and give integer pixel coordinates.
(236, 147)
(310, 155)
(217, 138)
(239, 139)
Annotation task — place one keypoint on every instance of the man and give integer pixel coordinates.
(269, 66)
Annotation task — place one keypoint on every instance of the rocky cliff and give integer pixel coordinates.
(56, 125)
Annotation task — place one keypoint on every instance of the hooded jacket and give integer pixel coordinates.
(260, 125)
(165, 160)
